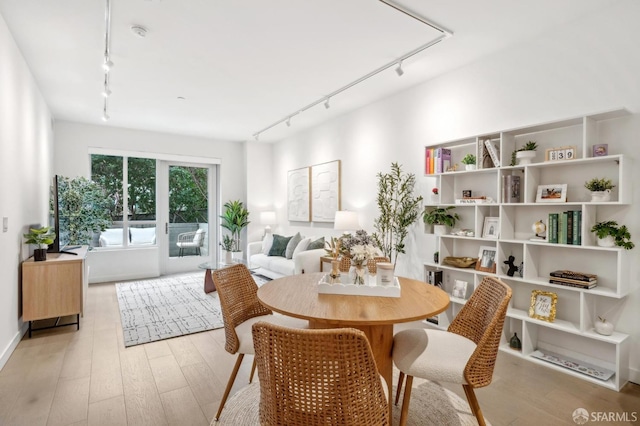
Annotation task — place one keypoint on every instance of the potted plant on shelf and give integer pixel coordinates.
(469, 162)
(525, 154)
(41, 238)
(235, 219)
(610, 234)
(600, 189)
(440, 218)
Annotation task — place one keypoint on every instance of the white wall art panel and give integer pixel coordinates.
(298, 195)
(325, 191)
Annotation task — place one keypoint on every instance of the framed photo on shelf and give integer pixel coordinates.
(560, 154)
(486, 259)
(543, 305)
(600, 150)
(460, 289)
(491, 227)
(555, 193)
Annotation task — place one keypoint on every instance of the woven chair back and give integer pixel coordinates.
(238, 294)
(317, 377)
(481, 319)
(372, 264)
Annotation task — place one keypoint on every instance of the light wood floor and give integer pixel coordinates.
(87, 377)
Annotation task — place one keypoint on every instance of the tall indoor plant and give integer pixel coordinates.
(399, 208)
(84, 209)
(235, 219)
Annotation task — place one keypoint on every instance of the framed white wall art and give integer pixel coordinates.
(325, 191)
(298, 201)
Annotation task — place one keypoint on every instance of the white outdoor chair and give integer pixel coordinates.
(194, 239)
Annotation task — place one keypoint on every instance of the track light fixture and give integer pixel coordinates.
(105, 116)
(106, 92)
(397, 63)
(257, 136)
(107, 64)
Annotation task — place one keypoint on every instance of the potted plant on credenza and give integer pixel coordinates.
(41, 238)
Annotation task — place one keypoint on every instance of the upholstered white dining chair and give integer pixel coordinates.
(241, 308)
(464, 354)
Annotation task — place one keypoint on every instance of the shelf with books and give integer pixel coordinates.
(513, 191)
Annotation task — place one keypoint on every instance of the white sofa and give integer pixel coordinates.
(302, 262)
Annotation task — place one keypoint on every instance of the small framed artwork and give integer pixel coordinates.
(543, 305)
(560, 154)
(486, 259)
(491, 227)
(600, 150)
(460, 289)
(555, 193)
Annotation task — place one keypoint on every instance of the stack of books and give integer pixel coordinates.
(565, 227)
(437, 160)
(573, 279)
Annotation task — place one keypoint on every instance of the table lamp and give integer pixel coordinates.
(267, 218)
(346, 221)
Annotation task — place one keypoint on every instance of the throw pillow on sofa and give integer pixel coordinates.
(267, 242)
(317, 244)
(302, 246)
(279, 246)
(291, 246)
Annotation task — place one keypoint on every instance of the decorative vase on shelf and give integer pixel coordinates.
(357, 274)
(525, 157)
(440, 229)
(228, 257)
(607, 241)
(469, 167)
(515, 343)
(604, 327)
(600, 196)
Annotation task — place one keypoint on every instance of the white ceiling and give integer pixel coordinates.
(242, 65)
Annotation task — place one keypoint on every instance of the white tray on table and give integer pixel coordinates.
(369, 289)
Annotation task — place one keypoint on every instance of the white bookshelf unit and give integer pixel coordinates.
(572, 333)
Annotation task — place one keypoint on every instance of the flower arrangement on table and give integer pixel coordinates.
(360, 248)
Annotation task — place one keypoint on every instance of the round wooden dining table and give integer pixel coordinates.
(297, 296)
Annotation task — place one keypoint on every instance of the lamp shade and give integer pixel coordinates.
(346, 221)
(267, 218)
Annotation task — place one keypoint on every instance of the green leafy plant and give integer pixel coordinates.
(40, 237)
(620, 234)
(227, 243)
(84, 209)
(529, 146)
(596, 184)
(469, 159)
(235, 219)
(399, 208)
(440, 216)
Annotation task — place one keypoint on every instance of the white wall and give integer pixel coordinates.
(26, 140)
(72, 159)
(587, 66)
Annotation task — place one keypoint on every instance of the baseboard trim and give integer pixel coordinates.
(6, 354)
(634, 376)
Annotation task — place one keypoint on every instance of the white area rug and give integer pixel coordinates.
(167, 307)
(431, 404)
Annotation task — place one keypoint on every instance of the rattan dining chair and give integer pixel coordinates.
(241, 308)
(318, 377)
(464, 354)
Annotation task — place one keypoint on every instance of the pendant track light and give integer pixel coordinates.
(107, 64)
(397, 63)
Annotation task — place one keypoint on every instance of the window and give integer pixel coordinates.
(130, 184)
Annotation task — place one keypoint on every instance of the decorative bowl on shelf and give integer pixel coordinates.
(460, 262)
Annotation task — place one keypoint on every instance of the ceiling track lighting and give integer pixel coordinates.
(444, 34)
(107, 64)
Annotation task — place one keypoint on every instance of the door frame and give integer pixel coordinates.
(172, 265)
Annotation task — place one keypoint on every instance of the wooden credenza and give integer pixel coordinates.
(56, 287)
